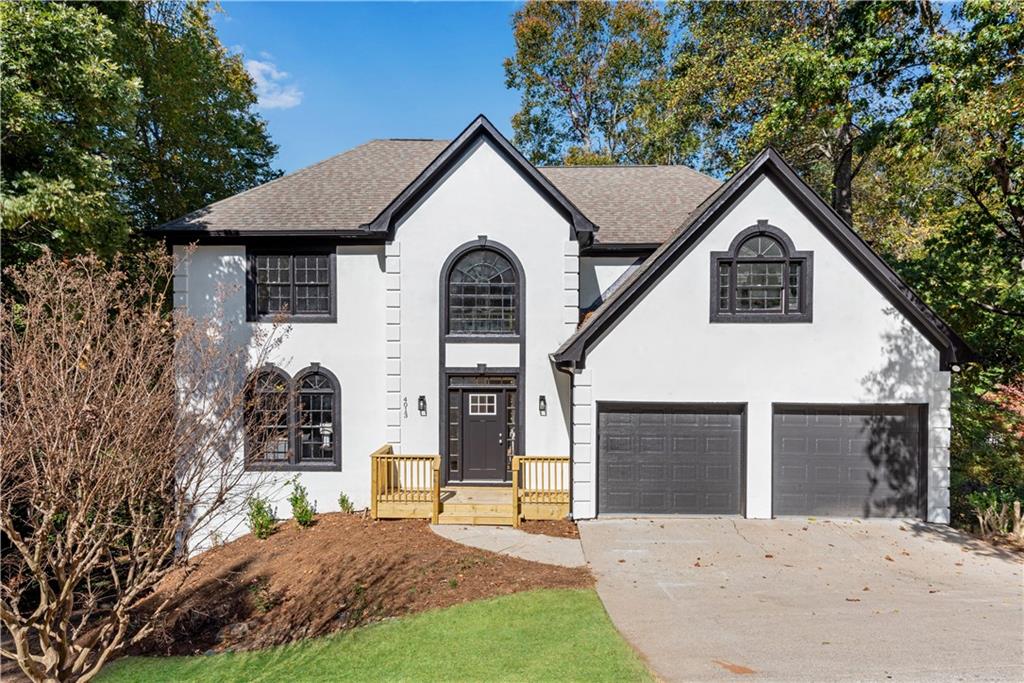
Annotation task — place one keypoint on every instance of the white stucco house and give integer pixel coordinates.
(693, 347)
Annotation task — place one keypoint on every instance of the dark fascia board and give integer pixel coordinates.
(384, 223)
(198, 236)
(620, 249)
(952, 348)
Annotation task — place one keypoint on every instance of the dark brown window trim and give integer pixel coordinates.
(482, 242)
(791, 256)
(252, 251)
(293, 464)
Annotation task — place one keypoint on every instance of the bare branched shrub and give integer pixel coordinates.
(119, 450)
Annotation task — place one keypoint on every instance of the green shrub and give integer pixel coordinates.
(261, 517)
(995, 511)
(344, 504)
(986, 451)
(303, 511)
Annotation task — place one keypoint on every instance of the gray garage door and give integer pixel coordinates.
(669, 459)
(848, 461)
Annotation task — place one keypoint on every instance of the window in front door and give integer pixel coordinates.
(483, 404)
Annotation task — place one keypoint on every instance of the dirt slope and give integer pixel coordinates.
(343, 572)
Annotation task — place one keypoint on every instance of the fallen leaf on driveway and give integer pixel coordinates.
(933, 591)
(852, 599)
(866, 588)
(733, 668)
(769, 557)
(889, 559)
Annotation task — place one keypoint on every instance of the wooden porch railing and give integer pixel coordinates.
(540, 487)
(404, 485)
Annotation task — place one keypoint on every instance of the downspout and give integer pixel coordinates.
(569, 370)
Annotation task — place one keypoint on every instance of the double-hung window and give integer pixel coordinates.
(762, 278)
(294, 285)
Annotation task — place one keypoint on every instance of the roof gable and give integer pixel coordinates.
(435, 172)
(768, 163)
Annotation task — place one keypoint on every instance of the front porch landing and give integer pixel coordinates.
(408, 487)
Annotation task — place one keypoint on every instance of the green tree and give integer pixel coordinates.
(197, 137)
(68, 107)
(592, 77)
(118, 116)
(823, 81)
(968, 115)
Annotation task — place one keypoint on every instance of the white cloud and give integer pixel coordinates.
(272, 89)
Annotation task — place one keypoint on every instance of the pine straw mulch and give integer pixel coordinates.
(343, 572)
(560, 528)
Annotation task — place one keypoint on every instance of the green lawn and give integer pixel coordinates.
(536, 636)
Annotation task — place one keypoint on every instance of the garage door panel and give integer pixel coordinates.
(857, 461)
(680, 460)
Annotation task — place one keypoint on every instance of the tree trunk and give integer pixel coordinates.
(842, 174)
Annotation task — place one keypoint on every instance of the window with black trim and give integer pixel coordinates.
(293, 424)
(297, 285)
(267, 430)
(762, 278)
(483, 295)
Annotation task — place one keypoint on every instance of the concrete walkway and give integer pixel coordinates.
(566, 552)
(799, 599)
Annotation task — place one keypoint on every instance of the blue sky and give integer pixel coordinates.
(333, 75)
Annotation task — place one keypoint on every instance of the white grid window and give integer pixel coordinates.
(483, 404)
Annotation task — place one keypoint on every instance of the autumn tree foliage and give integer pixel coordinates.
(122, 422)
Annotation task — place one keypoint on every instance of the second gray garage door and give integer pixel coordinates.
(848, 461)
(673, 459)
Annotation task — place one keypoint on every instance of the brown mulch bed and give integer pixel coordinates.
(343, 572)
(561, 528)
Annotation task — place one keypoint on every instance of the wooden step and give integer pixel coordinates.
(475, 520)
(477, 509)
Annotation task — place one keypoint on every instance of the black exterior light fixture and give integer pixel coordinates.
(421, 404)
(543, 405)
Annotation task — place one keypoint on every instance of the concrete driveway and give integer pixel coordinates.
(806, 599)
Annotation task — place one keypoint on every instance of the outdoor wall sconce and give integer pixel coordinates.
(421, 404)
(543, 405)
(326, 430)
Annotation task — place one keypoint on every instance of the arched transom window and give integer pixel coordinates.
(483, 295)
(761, 279)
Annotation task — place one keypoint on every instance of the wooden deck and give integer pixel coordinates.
(408, 487)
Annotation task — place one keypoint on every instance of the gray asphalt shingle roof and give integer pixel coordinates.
(629, 204)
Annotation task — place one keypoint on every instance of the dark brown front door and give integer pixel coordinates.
(483, 435)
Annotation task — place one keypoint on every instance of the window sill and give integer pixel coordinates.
(292, 319)
(482, 339)
(292, 467)
(760, 317)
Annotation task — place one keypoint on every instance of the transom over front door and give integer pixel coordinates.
(483, 435)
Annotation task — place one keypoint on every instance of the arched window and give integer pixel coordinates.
(293, 424)
(483, 295)
(317, 422)
(762, 278)
(266, 424)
